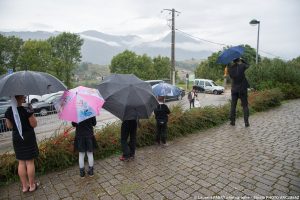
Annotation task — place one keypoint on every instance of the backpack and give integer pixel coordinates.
(189, 95)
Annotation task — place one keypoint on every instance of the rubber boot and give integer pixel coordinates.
(82, 172)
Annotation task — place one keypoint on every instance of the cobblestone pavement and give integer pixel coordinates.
(262, 160)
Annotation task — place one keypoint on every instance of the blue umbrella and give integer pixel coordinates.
(165, 89)
(230, 54)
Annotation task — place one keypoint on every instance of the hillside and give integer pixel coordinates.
(99, 48)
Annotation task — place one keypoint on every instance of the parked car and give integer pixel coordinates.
(153, 82)
(198, 88)
(3, 109)
(36, 98)
(209, 86)
(5, 100)
(178, 97)
(46, 106)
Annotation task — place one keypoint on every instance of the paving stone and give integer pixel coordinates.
(263, 159)
(182, 194)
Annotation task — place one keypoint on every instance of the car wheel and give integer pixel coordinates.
(34, 101)
(43, 112)
(215, 92)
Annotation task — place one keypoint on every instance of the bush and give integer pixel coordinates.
(57, 152)
(290, 91)
(272, 73)
(264, 100)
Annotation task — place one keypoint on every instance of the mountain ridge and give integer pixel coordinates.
(100, 48)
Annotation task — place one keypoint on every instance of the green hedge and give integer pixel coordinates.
(57, 152)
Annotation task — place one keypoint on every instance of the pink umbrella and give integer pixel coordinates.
(79, 104)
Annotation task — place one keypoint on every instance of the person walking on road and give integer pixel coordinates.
(128, 130)
(85, 143)
(191, 97)
(239, 89)
(22, 122)
(161, 115)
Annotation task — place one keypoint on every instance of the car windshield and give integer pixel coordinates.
(214, 84)
(52, 98)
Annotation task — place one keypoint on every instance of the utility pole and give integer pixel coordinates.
(172, 74)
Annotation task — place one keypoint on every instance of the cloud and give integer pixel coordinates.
(218, 20)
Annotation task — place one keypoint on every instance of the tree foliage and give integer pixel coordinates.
(210, 69)
(35, 56)
(58, 55)
(161, 67)
(142, 66)
(10, 48)
(66, 54)
(270, 73)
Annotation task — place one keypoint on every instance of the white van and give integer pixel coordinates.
(209, 86)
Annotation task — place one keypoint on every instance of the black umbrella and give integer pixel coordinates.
(127, 96)
(29, 82)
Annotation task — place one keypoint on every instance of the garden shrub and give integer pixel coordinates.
(265, 100)
(290, 91)
(57, 152)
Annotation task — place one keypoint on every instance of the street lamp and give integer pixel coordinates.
(254, 22)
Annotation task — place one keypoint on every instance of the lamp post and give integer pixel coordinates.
(254, 22)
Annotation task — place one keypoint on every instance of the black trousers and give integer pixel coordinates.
(161, 134)
(128, 129)
(244, 102)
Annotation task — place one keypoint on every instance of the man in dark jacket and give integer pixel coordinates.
(161, 115)
(239, 89)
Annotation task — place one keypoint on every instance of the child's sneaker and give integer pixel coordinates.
(91, 171)
(82, 172)
(122, 158)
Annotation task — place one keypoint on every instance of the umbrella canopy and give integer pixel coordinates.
(29, 82)
(79, 104)
(165, 89)
(127, 96)
(230, 54)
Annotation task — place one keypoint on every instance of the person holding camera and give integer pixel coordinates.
(239, 89)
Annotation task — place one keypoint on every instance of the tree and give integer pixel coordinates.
(210, 69)
(9, 52)
(35, 56)
(124, 63)
(142, 66)
(144, 69)
(65, 55)
(161, 67)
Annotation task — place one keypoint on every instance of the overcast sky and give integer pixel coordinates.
(214, 20)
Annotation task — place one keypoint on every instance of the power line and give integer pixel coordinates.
(222, 44)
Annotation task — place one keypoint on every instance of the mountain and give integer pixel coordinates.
(99, 48)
